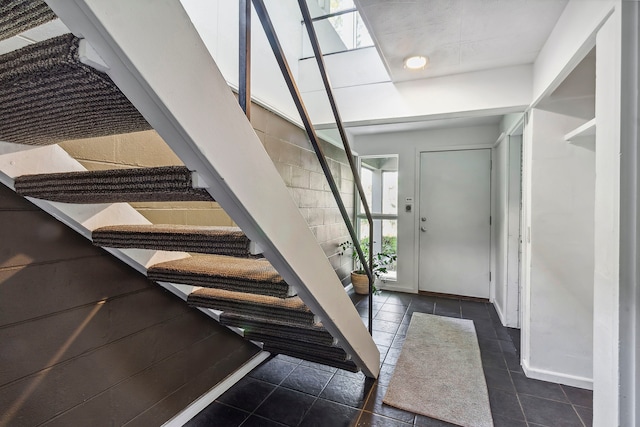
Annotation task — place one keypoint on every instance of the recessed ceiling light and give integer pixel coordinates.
(417, 62)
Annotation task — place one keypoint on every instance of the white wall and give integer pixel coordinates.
(408, 145)
(571, 39)
(504, 89)
(560, 220)
(606, 351)
(512, 301)
(217, 24)
(500, 224)
(505, 230)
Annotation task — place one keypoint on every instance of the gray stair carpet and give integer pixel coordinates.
(251, 275)
(47, 96)
(348, 365)
(17, 16)
(289, 310)
(161, 184)
(326, 352)
(229, 241)
(315, 334)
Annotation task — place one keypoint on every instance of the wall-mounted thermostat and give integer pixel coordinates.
(408, 204)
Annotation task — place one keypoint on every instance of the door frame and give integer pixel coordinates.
(416, 219)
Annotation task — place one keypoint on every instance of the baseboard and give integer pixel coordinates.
(557, 377)
(500, 315)
(387, 287)
(206, 399)
(453, 296)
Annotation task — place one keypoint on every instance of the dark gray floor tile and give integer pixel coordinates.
(389, 316)
(347, 391)
(493, 360)
(256, 421)
(579, 396)
(367, 419)
(383, 338)
(386, 372)
(392, 356)
(289, 359)
(359, 376)
(285, 406)
(394, 308)
(485, 329)
(247, 394)
(398, 341)
(218, 414)
(505, 404)
(318, 366)
(421, 306)
(422, 421)
(400, 298)
(326, 413)
(383, 352)
(499, 379)
(586, 414)
(500, 421)
(375, 405)
(549, 412)
(448, 307)
(513, 362)
(537, 388)
(402, 330)
(307, 380)
(385, 326)
(487, 344)
(273, 371)
(508, 347)
(514, 335)
(474, 310)
(501, 333)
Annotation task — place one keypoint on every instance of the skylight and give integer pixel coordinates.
(338, 25)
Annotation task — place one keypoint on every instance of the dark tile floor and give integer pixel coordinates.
(290, 392)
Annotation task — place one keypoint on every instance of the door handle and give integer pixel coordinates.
(423, 229)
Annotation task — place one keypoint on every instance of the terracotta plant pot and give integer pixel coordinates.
(360, 283)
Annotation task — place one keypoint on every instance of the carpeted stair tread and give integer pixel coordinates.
(291, 310)
(158, 184)
(229, 241)
(47, 96)
(329, 352)
(17, 16)
(252, 275)
(316, 333)
(348, 365)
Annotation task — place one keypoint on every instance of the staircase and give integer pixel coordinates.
(268, 278)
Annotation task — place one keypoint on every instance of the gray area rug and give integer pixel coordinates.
(439, 373)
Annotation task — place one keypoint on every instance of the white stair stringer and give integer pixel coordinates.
(166, 71)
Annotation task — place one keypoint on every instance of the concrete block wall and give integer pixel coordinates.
(293, 157)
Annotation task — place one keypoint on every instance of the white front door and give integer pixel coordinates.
(455, 232)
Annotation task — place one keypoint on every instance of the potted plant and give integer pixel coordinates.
(381, 261)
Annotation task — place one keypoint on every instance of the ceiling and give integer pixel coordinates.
(458, 35)
(454, 122)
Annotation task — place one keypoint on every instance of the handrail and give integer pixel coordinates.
(315, 44)
(244, 69)
(278, 52)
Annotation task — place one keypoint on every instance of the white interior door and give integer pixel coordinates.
(455, 233)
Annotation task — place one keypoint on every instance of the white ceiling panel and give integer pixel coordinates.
(458, 35)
